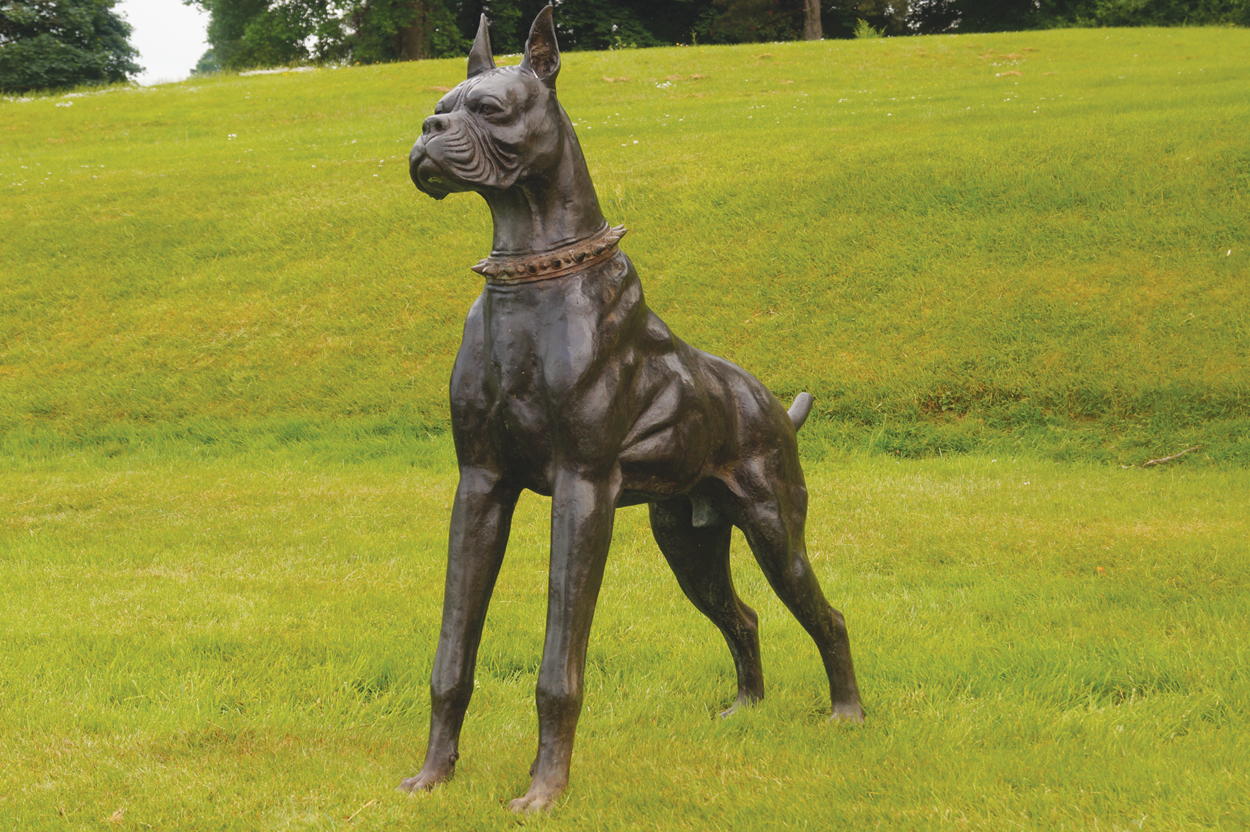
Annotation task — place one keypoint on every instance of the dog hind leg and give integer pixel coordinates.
(699, 557)
(774, 531)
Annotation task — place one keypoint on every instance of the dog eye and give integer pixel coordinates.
(487, 108)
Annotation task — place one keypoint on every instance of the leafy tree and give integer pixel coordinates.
(245, 33)
(745, 21)
(404, 30)
(54, 44)
(509, 22)
(927, 16)
(931, 16)
(207, 64)
(588, 24)
(1144, 12)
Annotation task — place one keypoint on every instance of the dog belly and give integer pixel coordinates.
(667, 448)
(668, 460)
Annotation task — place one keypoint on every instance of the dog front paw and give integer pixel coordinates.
(847, 712)
(538, 798)
(429, 777)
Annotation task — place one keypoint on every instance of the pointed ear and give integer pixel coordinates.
(480, 59)
(542, 54)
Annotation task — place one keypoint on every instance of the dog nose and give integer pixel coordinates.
(433, 124)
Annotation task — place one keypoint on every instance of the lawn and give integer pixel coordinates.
(234, 645)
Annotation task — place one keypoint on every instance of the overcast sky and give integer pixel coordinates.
(169, 36)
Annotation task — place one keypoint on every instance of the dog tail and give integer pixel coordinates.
(799, 410)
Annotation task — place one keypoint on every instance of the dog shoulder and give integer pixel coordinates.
(468, 375)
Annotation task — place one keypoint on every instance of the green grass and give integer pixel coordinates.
(246, 646)
(951, 256)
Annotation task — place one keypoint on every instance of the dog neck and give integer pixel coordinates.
(570, 259)
(556, 209)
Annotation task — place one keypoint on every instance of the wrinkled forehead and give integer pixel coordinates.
(508, 84)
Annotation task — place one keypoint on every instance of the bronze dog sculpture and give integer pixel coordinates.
(566, 384)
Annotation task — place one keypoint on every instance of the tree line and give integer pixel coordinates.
(59, 43)
(50, 44)
(269, 32)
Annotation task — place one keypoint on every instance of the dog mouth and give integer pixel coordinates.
(431, 184)
(426, 174)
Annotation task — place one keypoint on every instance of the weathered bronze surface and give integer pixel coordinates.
(566, 384)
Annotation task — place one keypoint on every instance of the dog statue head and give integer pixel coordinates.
(502, 133)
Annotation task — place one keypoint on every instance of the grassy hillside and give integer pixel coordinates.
(1035, 239)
